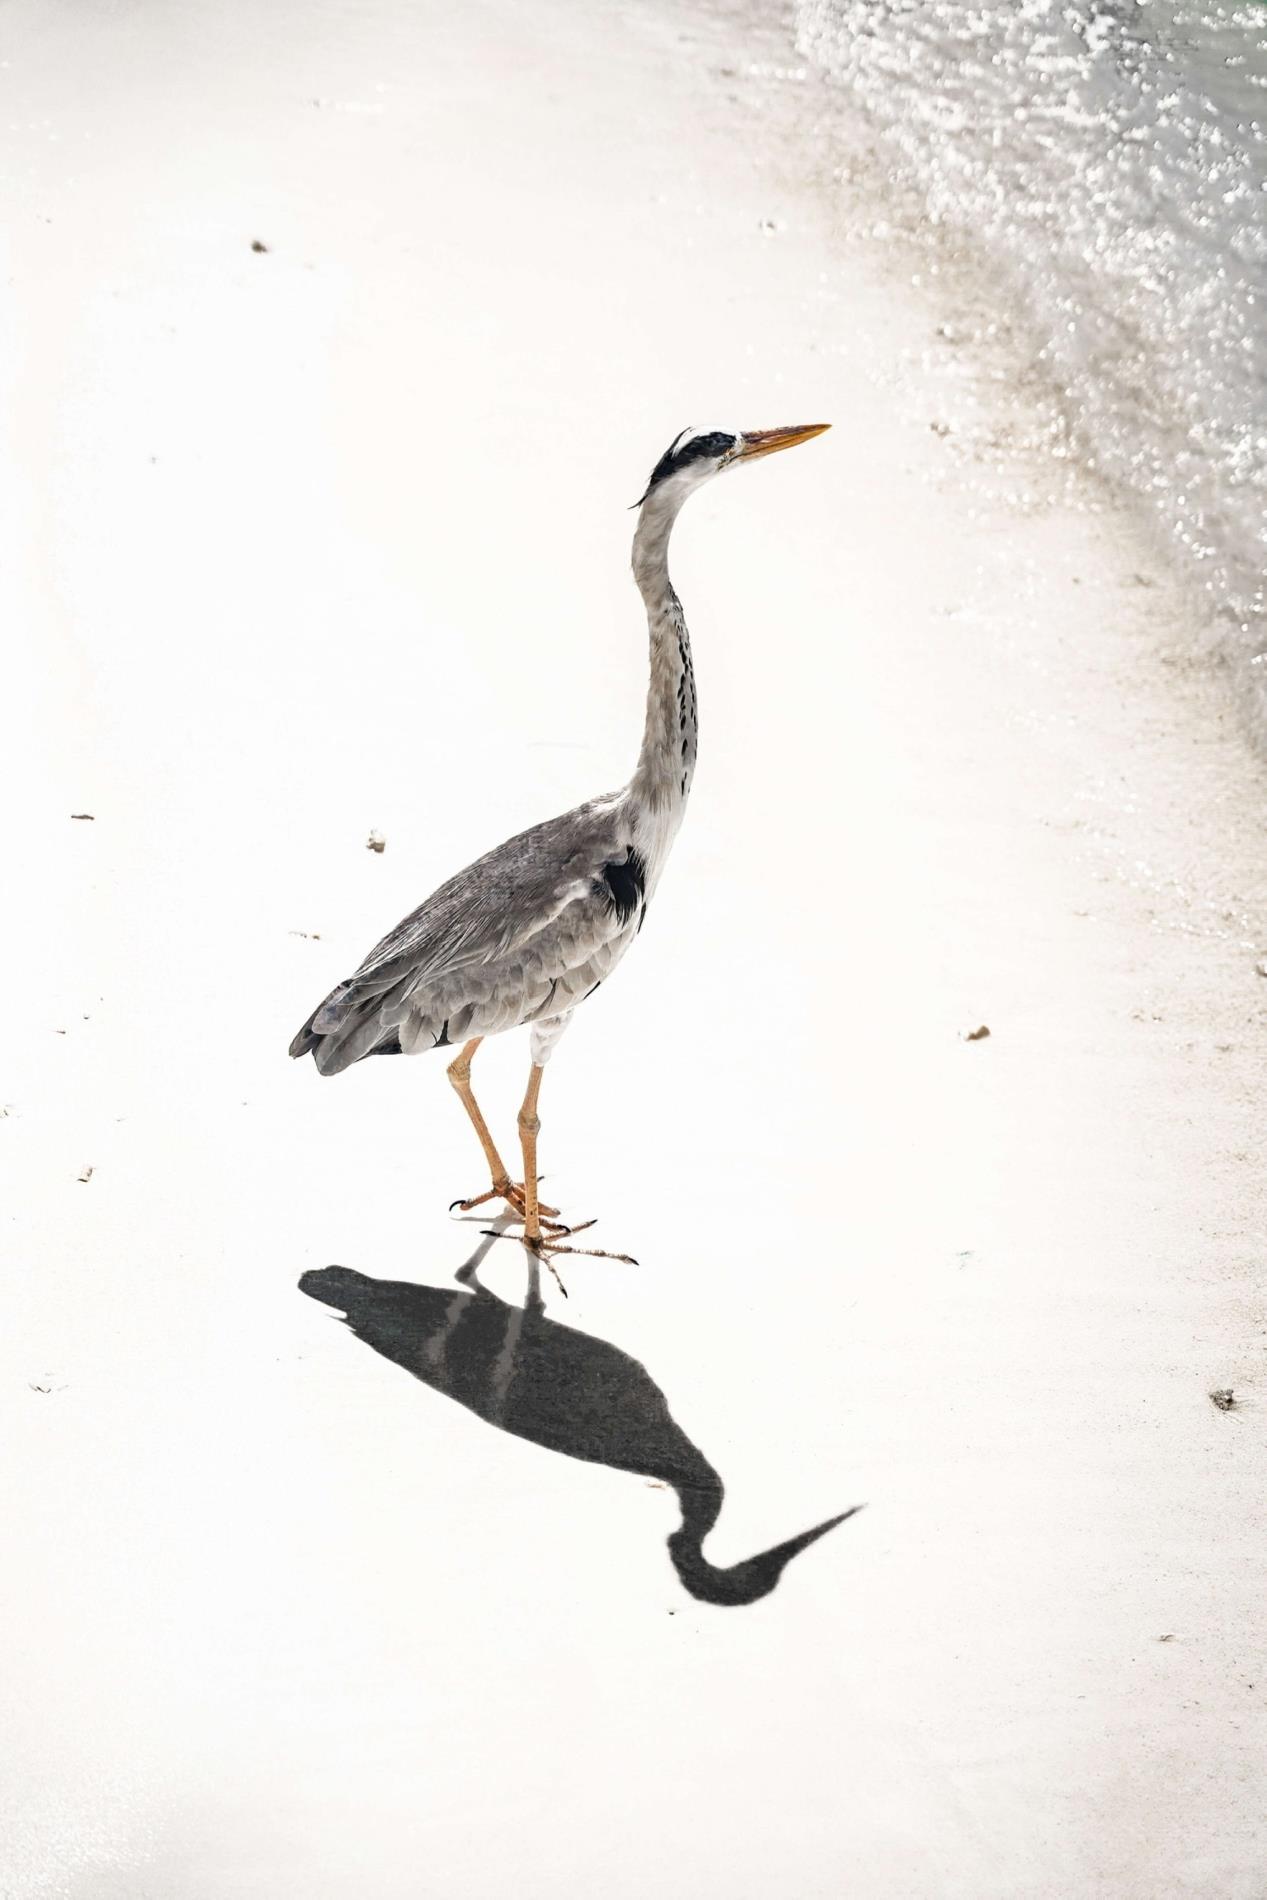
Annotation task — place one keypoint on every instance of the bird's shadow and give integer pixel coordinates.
(519, 1370)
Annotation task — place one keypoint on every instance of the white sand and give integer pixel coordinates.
(332, 537)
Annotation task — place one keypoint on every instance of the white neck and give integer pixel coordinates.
(666, 764)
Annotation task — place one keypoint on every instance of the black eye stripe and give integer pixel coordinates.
(701, 448)
(705, 446)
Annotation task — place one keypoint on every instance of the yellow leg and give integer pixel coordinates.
(459, 1073)
(545, 1246)
(528, 1127)
(503, 1188)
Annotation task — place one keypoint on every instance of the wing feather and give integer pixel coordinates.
(550, 878)
(495, 904)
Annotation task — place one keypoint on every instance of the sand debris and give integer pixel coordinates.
(1224, 1398)
(258, 245)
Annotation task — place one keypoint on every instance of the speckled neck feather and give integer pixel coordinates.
(666, 763)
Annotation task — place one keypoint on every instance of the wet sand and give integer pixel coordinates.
(332, 536)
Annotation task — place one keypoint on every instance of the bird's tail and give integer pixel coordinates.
(346, 1026)
(306, 1038)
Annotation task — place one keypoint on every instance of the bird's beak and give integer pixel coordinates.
(755, 442)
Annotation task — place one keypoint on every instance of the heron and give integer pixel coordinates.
(528, 932)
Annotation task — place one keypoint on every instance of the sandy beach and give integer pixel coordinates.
(340, 342)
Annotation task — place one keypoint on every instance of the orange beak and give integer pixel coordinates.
(755, 442)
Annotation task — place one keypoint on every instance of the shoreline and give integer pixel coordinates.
(333, 538)
(1119, 434)
(977, 375)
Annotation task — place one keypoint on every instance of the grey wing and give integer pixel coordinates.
(505, 940)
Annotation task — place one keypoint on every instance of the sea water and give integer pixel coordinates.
(1109, 157)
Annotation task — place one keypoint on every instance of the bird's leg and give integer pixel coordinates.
(528, 1127)
(503, 1188)
(459, 1073)
(545, 1246)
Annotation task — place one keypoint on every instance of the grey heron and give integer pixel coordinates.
(527, 932)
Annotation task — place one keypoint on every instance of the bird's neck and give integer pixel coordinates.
(661, 782)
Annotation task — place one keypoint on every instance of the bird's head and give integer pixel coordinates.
(697, 455)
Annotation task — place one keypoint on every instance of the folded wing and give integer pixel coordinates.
(506, 940)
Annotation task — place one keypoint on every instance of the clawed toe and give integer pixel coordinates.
(513, 1195)
(546, 1248)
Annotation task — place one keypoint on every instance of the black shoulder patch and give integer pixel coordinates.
(626, 881)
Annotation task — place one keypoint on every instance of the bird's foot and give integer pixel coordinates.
(513, 1195)
(546, 1248)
